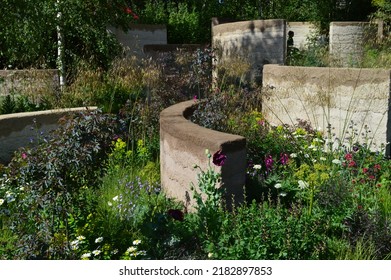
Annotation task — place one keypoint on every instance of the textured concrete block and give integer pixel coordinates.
(331, 96)
(347, 40)
(266, 38)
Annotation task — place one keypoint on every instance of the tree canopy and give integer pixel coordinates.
(29, 29)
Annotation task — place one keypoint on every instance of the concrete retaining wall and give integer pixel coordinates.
(183, 144)
(347, 41)
(140, 35)
(259, 42)
(23, 129)
(335, 96)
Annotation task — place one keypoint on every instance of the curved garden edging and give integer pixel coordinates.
(183, 144)
(17, 130)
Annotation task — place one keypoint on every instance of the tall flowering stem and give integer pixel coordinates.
(208, 209)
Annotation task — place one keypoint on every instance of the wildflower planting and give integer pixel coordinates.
(91, 189)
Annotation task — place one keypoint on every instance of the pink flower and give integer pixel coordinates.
(348, 157)
(365, 170)
(24, 155)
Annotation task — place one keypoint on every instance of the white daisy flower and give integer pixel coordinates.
(99, 240)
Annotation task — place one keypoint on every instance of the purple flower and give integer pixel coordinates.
(284, 158)
(269, 163)
(219, 158)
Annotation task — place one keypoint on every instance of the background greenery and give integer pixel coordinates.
(28, 29)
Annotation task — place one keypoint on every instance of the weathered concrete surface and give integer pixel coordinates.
(335, 96)
(183, 144)
(20, 129)
(259, 42)
(347, 40)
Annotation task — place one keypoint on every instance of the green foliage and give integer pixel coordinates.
(183, 24)
(21, 103)
(260, 231)
(48, 183)
(29, 32)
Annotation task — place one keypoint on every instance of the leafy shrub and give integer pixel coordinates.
(47, 183)
(259, 231)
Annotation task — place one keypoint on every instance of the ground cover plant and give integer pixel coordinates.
(91, 189)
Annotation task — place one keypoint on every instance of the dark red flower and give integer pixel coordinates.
(176, 214)
(219, 158)
(365, 170)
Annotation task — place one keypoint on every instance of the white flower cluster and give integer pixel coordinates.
(115, 198)
(75, 243)
(133, 250)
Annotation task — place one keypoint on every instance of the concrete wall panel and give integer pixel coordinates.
(259, 41)
(336, 96)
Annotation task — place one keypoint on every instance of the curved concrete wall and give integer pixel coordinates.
(23, 129)
(183, 144)
(347, 40)
(259, 41)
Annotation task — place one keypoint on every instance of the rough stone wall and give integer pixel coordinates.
(303, 31)
(28, 81)
(22, 129)
(140, 35)
(336, 96)
(259, 42)
(347, 40)
(183, 145)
